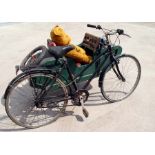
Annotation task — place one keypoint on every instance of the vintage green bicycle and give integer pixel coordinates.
(40, 94)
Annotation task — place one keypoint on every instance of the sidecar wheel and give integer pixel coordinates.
(33, 57)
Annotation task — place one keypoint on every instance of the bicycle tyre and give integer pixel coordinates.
(111, 91)
(28, 117)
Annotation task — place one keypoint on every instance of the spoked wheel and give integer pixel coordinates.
(113, 87)
(36, 99)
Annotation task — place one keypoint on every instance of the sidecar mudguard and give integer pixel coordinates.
(19, 76)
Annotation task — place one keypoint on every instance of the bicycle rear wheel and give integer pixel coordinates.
(113, 88)
(36, 99)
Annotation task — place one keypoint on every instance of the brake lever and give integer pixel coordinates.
(127, 35)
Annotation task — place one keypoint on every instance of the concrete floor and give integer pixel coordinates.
(137, 113)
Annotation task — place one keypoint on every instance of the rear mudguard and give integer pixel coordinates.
(41, 70)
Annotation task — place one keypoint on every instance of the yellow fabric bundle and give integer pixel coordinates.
(61, 39)
(59, 36)
(79, 55)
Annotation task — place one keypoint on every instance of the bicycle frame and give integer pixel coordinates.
(108, 54)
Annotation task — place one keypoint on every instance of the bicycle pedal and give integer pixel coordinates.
(85, 112)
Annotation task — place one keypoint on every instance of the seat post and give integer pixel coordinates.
(71, 75)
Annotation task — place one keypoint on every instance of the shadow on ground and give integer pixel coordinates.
(95, 99)
(5, 123)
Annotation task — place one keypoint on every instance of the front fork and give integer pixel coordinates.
(116, 70)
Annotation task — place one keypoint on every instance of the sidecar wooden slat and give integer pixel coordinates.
(91, 42)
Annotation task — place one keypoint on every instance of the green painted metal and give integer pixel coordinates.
(55, 65)
(87, 74)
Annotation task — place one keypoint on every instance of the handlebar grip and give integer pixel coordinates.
(120, 31)
(92, 26)
(127, 35)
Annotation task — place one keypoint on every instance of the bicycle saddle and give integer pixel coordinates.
(60, 51)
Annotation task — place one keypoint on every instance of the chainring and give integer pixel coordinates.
(78, 94)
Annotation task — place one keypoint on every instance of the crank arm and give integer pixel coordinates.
(84, 110)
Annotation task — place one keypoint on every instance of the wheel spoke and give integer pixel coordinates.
(130, 69)
(24, 110)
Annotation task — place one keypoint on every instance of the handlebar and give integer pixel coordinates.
(92, 26)
(110, 32)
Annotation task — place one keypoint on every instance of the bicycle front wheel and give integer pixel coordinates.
(36, 99)
(114, 88)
